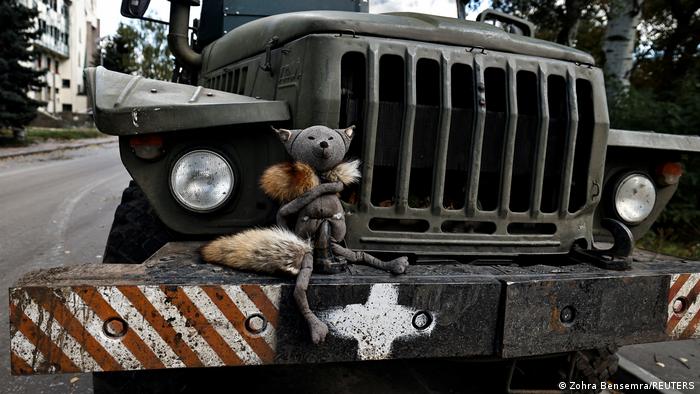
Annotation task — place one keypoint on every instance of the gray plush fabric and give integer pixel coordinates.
(323, 149)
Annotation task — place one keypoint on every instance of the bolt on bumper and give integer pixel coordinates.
(174, 312)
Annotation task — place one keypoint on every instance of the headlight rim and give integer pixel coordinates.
(621, 179)
(231, 167)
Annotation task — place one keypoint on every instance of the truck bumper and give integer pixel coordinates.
(174, 311)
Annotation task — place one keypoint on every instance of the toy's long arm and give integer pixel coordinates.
(300, 202)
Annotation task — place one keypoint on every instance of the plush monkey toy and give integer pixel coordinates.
(308, 190)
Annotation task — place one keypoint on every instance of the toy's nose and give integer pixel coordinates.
(324, 144)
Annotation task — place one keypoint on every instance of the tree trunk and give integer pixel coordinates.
(569, 22)
(620, 35)
(19, 134)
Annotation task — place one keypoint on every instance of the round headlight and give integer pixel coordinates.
(201, 180)
(635, 196)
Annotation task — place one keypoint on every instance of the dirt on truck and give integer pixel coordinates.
(486, 158)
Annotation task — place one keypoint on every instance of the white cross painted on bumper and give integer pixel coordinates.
(377, 323)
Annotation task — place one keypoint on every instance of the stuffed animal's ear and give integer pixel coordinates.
(284, 134)
(349, 132)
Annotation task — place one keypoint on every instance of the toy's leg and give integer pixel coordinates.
(324, 262)
(318, 328)
(396, 266)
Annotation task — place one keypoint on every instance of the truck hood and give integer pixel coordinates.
(250, 39)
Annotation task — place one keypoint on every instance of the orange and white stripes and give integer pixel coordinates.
(683, 317)
(113, 328)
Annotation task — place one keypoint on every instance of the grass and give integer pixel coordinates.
(657, 241)
(38, 135)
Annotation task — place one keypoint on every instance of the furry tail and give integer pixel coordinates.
(269, 250)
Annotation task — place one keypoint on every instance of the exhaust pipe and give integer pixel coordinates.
(178, 41)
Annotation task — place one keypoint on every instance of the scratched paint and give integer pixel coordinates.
(377, 323)
(687, 323)
(169, 327)
(140, 326)
(179, 323)
(228, 333)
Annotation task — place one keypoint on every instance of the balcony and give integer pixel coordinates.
(54, 46)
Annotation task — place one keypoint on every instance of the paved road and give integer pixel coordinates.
(56, 209)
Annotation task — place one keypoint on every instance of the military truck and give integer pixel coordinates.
(487, 157)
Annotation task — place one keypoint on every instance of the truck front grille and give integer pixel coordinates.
(459, 142)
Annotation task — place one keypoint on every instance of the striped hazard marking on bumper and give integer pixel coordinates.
(683, 306)
(115, 328)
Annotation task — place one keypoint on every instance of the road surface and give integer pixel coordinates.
(56, 209)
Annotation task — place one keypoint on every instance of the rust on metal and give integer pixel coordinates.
(683, 306)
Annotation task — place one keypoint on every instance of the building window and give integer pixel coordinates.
(66, 83)
(67, 108)
(56, 63)
(48, 63)
(56, 90)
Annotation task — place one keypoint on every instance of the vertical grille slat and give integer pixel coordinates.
(443, 137)
(584, 145)
(390, 122)
(426, 129)
(493, 139)
(478, 138)
(509, 147)
(556, 143)
(522, 173)
(476, 143)
(570, 144)
(459, 146)
(409, 120)
(541, 149)
(371, 121)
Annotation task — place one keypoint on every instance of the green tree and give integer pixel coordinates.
(139, 48)
(118, 52)
(656, 87)
(664, 96)
(559, 21)
(156, 61)
(17, 30)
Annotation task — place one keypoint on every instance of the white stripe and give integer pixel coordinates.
(221, 324)
(683, 291)
(141, 326)
(60, 337)
(247, 307)
(687, 317)
(25, 350)
(16, 295)
(674, 279)
(189, 334)
(273, 293)
(94, 325)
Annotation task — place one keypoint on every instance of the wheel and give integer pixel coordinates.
(594, 366)
(136, 231)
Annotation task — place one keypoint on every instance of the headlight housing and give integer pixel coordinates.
(202, 180)
(634, 198)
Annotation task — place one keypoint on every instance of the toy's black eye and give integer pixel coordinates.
(330, 138)
(311, 138)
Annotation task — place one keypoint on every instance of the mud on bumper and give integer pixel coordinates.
(174, 311)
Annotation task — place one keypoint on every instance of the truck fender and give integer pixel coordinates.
(127, 104)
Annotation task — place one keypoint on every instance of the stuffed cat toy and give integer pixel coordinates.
(307, 190)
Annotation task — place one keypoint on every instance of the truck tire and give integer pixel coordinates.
(594, 366)
(136, 231)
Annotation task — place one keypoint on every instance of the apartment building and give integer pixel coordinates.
(70, 35)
